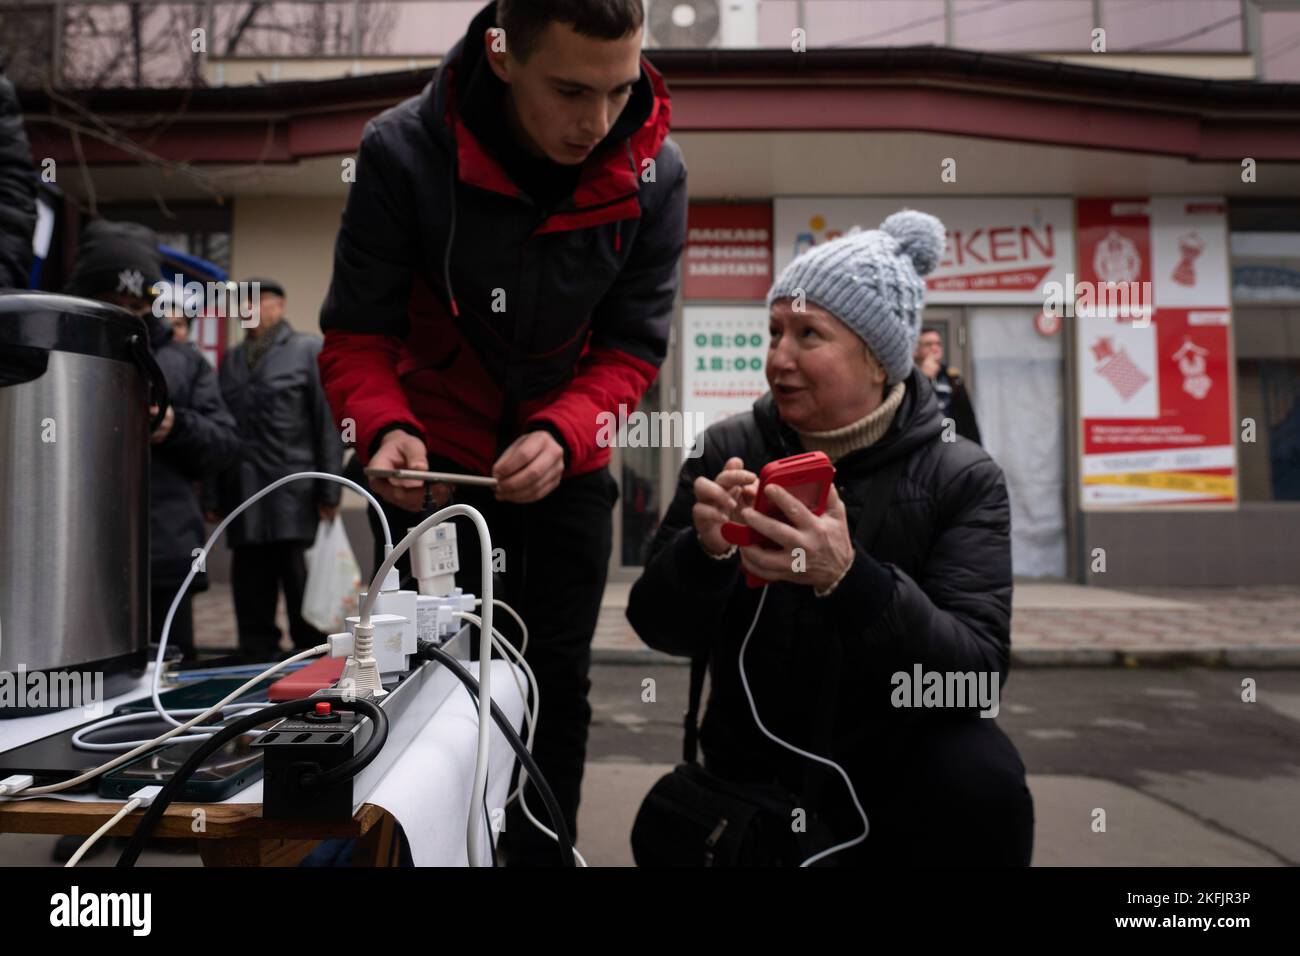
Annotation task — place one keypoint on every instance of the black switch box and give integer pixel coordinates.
(300, 747)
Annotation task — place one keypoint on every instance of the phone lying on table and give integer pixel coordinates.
(807, 476)
(199, 695)
(224, 773)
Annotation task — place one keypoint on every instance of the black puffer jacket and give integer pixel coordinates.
(202, 441)
(934, 589)
(17, 191)
(286, 427)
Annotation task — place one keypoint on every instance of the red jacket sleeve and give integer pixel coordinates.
(606, 379)
(359, 373)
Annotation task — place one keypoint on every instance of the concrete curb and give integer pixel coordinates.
(1264, 656)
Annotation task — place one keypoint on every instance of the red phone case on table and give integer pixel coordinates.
(808, 477)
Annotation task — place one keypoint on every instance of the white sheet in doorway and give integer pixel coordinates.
(1018, 391)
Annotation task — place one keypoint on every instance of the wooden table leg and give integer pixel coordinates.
(375, 847)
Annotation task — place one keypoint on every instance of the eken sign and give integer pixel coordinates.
(1028, 250)
(1003, 244)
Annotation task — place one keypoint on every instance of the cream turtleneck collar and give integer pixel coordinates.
(866, 431)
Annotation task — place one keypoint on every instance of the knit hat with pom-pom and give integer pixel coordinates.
(871, 280)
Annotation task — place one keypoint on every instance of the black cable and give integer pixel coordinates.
(431, 652)
(238, 726)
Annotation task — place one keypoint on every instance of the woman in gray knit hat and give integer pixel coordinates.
(860, 684)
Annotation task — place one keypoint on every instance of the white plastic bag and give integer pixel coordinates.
(333, 579)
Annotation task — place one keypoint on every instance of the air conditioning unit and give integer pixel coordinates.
(698, 24)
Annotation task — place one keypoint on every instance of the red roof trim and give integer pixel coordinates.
(198, 138)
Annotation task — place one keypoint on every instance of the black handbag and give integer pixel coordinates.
(694, 817)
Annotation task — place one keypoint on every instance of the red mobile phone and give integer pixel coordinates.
(808, 477)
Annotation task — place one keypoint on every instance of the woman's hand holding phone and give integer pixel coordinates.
(810, 549)
(718, 501)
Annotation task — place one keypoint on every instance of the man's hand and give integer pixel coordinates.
(327, 512)
(827, 546)
(400, 450)
(717, 501)
(164, 427)
(530, 469)
(930, 366)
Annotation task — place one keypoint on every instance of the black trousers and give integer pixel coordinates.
(950, 792)
(550, 567)
(257, 574)
(182, 633)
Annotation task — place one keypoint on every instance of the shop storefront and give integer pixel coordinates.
(1127, 441)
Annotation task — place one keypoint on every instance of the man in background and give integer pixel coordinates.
(271, 383)
(954, 399)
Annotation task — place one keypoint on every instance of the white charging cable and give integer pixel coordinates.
(530, 719)
(197, 564)
(163, 738)
(141, 799)
(866, 826)
(364, 632)
(80, 739)
(393, 554)
(523, 628)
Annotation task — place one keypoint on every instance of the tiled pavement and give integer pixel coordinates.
(1051, 624)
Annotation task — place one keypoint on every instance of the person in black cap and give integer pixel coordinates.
(119, 263)
(271, 383)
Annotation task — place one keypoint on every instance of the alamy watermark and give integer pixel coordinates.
(193, 299)
(133, 911)
(52, 690)
(638, 429)
(958, 690)
(1125, 300)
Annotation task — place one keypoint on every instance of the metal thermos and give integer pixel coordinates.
(76, 382)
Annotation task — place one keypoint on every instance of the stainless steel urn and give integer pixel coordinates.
(76, 382)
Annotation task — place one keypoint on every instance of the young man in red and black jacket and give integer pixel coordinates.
(505, 273)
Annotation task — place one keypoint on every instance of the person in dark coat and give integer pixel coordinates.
(17, 190)
(272, 385)
(119, 263)
(949, 386)
(504, 275)
(853, 614)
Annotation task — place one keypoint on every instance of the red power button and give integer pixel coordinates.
(323, 709)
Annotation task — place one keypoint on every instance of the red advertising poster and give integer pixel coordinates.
(1114, 239)
(1156, 383)
(728, 251)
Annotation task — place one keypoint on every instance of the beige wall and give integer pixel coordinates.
(289, 239)
(1212, 66)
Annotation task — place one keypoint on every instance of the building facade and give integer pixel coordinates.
(1145, 442)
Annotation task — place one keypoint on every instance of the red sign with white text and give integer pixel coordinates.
(728, 251)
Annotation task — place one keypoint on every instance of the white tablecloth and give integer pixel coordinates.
(427, 790)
